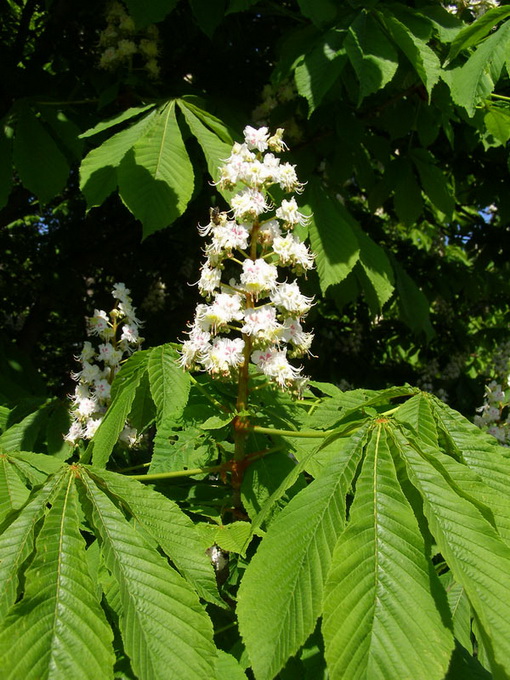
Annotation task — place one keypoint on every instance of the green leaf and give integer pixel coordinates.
(156, 178)
(473, 33)
(98, 170)
(214, 148)
(319, 11)
(124, 389)
(463, 666)
(408, 201)
(484, 458)
(371, 54)
(208, 14)
(228, 668)
(296, 551)
(116, 120)
(262, 478)
(424, 60)
(378, 270)
(168, 526)
(17, 543)
(320, 67)
(414, 306)
(170, 384)
(233, 537)
(417, 413)
(382, 612)
(5, 163)
(164, 628)
(145, 13)
(58, 629)
(475, 553)
(23, 435)
(331, 237)
(39, 162)
(474, 81)
(13, 492)
(460, 610)
(434, 182)
(497, 121)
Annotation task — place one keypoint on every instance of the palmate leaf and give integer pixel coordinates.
(483, 456)
(165, 522)
(277, 614)
(475, 553)
(156, 177)
(165, 631)
(17, 543)
(214, 148)
(382, 617)
(58, 629)
(98, 170)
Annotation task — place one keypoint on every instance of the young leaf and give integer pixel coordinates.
(475, 553)
(164, 628)
(58, 629)
(156, 179)
(296, 551)
(382, 613)
(168, 526)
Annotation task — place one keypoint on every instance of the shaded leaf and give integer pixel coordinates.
(371, 54)
(473, 33)
(331, 236)
(156, 178)
(39, 162)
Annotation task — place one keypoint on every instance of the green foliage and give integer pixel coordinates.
(366, 533)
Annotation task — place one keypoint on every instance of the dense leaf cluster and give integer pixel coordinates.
(352, 534)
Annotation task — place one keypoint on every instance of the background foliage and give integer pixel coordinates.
(397, 115)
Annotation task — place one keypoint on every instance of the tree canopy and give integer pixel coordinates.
(115, 119)
(358, 525)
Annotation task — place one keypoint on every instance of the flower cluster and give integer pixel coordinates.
(492, 418)
(255, 317)
(118, 332)
(494, 414)
(475, 7)
(121, 42)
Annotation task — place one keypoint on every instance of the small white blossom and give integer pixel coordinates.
(249, 204)
(289, 213)
(258, 276)
(288, 297)
(256, 139)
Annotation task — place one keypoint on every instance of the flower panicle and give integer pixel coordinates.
(118, 336)
(254, 310)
